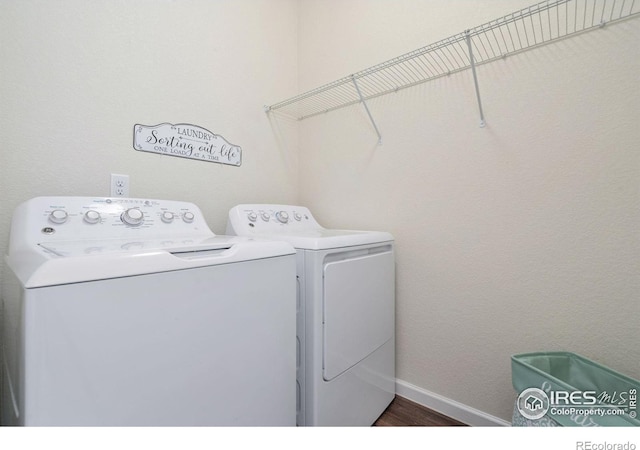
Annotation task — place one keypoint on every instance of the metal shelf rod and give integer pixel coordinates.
(364, 103)
(475, 78)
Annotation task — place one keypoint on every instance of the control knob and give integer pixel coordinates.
(297, 216)
(188, 217)
(58, 216)
(92, 217)
(132, 216)
(282, 216)
(252, 216)
(167, 217)
(265, 216)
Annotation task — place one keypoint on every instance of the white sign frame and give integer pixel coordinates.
(184, 140)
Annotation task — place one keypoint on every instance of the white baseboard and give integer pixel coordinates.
(448, 407)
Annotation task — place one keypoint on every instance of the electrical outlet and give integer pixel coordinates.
(119, 185)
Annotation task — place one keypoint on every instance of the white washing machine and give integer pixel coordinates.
(132, 312)
(346, 313)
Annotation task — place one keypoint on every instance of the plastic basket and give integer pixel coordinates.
(566, 389)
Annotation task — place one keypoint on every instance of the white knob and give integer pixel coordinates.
(297, 216)
(252, 216)
(58, 216)
(167, 217)
(132, 216)
(92, 216)
(265, 216)
(188, 217)
(282, 216)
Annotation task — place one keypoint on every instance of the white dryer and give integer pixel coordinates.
(132, 312)
(346, 313)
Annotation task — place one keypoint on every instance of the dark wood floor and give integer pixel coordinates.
(405, 413)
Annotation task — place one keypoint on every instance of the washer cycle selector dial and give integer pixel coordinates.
(92, 217)
(188, 217)
(58, 216)
(132, 216)
(282, 216)
(167, 217)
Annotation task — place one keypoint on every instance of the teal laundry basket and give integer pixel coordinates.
(566, 389)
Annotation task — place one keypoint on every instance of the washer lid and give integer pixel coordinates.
(77, 249)
(56, 263)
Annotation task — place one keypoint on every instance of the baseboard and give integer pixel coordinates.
(448, 407)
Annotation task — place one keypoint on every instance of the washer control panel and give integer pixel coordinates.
(267, 218)
(81, 218)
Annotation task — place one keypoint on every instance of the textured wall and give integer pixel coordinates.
(521, 236)
(76, 76)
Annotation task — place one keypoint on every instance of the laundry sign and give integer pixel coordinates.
(186, 141)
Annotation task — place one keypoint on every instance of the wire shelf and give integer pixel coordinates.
(528, 28)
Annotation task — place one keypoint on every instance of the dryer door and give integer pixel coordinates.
(358, 310)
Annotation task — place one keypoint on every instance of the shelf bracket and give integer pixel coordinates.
(475, 76)
(364, 103)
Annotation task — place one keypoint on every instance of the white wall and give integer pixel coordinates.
(521, 236)
(77, 75)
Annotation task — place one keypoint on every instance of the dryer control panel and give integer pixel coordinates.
(55, 219)
(295, 225)
(267, 218)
